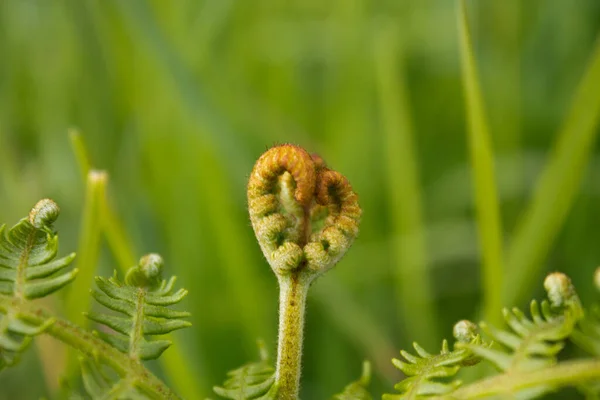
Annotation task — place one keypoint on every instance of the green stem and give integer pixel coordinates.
(137, 331)
(93, 347)
(292, 301)
(562, 374)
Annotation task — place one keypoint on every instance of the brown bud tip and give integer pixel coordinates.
(277, 160)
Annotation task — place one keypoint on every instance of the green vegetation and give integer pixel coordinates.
(471, 147)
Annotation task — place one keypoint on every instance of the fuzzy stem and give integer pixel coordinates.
(292, 301)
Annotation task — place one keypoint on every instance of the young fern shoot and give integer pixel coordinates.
(305, 217)
(143, 300)
(28, 270)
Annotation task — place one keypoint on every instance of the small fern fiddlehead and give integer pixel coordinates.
(28, 270)
(305, 217)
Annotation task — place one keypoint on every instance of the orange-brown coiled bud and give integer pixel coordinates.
(288, 189)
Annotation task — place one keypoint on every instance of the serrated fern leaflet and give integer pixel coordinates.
(250, 381)
(424, 369)
(357, 390)
(28, 270)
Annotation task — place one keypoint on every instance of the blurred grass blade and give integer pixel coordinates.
(78, 297)
(80, 151)
(114, 232)
(176, 366)
(358, 324)
(557, 186)
(482, 164)
(112, 228)
(414, 293)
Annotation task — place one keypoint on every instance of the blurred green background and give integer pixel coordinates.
(176, 100)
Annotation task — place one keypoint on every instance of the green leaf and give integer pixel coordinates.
(358, 390)
(141, 303)
(251, 381)
(587, 333)
(531, 343)
(28, 270)
(423, 370)
(99, 384)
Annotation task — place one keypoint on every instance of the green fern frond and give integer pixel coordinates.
(28, 270)
(357, 390)
(530, 343)
(142, 301)
(423, 370)
(250, 381)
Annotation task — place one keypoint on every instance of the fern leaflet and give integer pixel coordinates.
(357, 390)
(531, 343)
(424, 369)
(28, 270)
(142, 300)
(250, 381)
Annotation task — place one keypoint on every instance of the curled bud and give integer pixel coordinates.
(559, 288)
(465, 331)
(147, 273)
(44, 213)
(305, 216)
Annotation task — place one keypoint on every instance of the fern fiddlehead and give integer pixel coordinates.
(28, 270)
(305, 217)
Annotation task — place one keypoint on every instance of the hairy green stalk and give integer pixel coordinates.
(292, 300)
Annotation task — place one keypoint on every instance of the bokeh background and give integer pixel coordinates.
(176, 100)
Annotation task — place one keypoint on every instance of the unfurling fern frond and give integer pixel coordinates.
(250, 381)
(142, 301)
(423, 369)
(357, 390)
(533, 343)
(28, 270)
